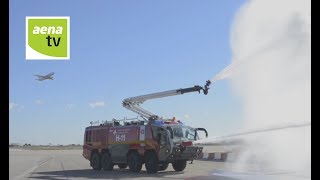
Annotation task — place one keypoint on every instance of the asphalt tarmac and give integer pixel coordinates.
(69, 164)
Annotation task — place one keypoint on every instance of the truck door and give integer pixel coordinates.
(165, 143)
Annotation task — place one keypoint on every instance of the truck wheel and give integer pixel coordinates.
(163, 167)
(106, 162)
(95, 161)
(134, 162)
(122, 166)
(179, 165)
(151, 162)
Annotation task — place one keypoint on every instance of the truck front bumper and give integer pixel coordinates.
(184, 153)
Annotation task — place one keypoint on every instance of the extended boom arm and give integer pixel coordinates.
(133, 103)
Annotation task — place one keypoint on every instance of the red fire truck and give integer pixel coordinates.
(152, 140)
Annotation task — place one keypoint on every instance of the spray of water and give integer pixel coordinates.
(271, 73)
(227, 137)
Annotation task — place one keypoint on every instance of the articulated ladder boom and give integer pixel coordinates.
(133, 103)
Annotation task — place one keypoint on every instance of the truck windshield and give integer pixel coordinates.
(183, 133)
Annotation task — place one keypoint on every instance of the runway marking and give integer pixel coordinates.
(64, 172)
(33, 168)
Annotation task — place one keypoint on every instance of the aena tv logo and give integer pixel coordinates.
(47, 37)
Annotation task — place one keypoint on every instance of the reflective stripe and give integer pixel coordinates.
(142, 135)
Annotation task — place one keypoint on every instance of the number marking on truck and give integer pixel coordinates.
(120, 137)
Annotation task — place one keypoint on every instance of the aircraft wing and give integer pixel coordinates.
(41, 79)
(50, 74)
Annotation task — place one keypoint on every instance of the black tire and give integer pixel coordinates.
(106, 162)
(179, 165)
(134, 161)
(151, 162)
(163, 167)
(122, 166)
(95, 161)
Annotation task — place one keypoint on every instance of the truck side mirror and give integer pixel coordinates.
(200, 129)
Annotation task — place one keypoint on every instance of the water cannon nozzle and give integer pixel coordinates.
(206, 87)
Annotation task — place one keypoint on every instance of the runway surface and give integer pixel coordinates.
(69, 164)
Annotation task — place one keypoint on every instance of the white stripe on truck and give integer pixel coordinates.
(142, 135)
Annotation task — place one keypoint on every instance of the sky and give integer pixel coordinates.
(121, 49)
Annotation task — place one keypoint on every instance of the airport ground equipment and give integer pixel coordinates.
(149, 139)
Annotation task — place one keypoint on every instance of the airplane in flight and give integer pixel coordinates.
(48, 76)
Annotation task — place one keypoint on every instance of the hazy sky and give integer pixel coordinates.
(121, 49)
